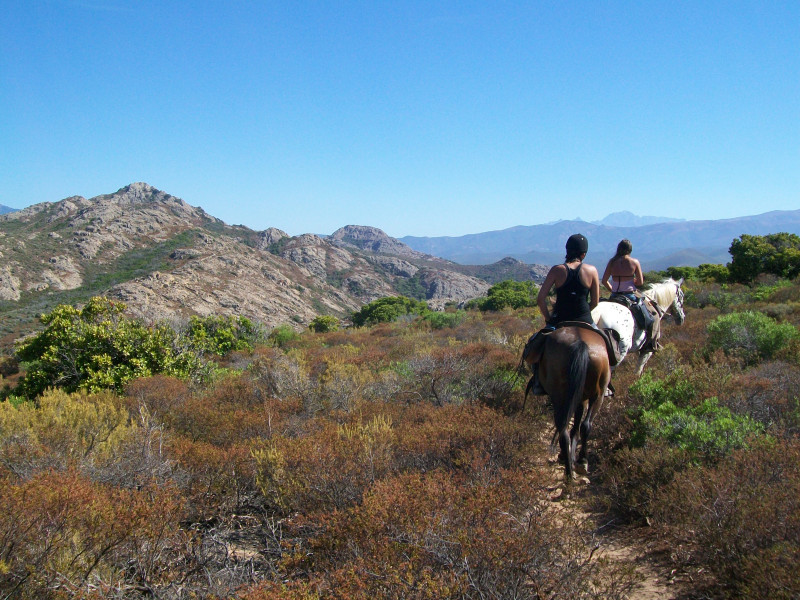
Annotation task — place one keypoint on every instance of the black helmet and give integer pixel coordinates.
(577, 244)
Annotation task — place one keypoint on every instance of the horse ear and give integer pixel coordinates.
(680, 282)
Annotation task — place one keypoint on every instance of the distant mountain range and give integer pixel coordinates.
(626, 218)
(4, 210)
(658, 245)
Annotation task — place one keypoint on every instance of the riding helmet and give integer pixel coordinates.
(577, 244)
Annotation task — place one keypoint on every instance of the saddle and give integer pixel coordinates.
(647, 316)
(535, 345)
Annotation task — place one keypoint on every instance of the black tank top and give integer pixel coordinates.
(572, 299)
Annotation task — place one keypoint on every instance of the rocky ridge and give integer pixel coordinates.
(169, 260)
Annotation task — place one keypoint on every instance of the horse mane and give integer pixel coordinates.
(662, 293)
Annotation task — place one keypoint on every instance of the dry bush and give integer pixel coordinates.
(333, 463)
(159, 395)
(276, 374)
(215, 480)
(472, 372)
(438, 535)
(62, 536)
(633, 479)
(742, 520)
(65, 430)
(268, 590)
(770, 394)
(462, 437)
(326, 469)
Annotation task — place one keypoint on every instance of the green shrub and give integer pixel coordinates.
(220, 335)
(776, 253)
(713, 273)
(98, 347)
(324, 324)
(282, 335)
(708, 430)
(676, 389)
(445, 320)
(386, 310)
(510, 294)
(751, 336)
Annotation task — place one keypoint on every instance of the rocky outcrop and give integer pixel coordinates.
(224, 280)
(373, 240)
(9, 284)
(453, 286)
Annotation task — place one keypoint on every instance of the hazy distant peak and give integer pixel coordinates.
(626, 218)
(6, 209)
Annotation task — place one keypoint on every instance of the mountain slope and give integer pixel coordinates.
(169, 260)
(657, 246)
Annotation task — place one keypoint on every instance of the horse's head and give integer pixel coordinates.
(676, 308)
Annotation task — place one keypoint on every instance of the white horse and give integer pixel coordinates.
(667, 296)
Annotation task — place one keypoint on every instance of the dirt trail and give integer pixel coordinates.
(657, 581)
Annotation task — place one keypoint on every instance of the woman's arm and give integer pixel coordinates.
(594, 290)
(638, 276)
(607, 276)
(541, 299)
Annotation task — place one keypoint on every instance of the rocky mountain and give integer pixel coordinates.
(657, 246)
(169, 260)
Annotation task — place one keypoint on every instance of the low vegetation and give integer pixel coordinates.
(391, 460)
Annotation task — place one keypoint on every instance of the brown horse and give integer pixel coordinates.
(574, 371)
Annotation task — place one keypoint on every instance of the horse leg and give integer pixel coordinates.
(565, 442)
(576, 431)
(643, 358)
(582, 462)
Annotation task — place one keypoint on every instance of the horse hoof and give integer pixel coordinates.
(582, 467)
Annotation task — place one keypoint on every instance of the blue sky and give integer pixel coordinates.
(418, 117)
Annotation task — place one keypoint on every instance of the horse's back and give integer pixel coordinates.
(612, 315)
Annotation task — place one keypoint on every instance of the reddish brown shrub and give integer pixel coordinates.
(633, 479)
(159, 395)
(61, 534)
(441, 536)
(741, 520)
(217, 480)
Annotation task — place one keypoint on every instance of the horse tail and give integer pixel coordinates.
(578, 369)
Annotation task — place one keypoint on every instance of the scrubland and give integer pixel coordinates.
(394, 461)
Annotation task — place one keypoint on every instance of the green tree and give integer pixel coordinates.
(687, 273)
(713, 273)
(98, 347)
(776, 253)
(510, 294)
(386, 310)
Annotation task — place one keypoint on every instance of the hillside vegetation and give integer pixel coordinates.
(392, 460)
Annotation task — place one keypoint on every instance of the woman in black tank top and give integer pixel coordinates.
(577, 286)
(572, 299)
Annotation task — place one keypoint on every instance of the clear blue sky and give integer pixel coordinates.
(419, 117)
